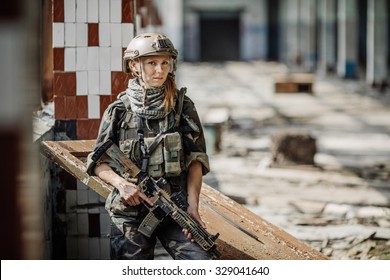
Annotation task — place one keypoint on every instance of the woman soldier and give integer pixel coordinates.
(152, 108)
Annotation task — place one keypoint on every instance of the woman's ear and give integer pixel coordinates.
(134, 66)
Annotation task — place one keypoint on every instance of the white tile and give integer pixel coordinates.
(94, 106)
(58, 35)
(69, 10)
(81, 185)
(105, 83)
(71, 201)
(71, 224)
(93, 58)
(116, 59)
(72, 248)
(139, 21)
(82, 224)
(70, 34)
(82, 58)
(105, 58)
(83, 252)
(93, 197)
(104, 248)
(102, 209)
(105, 223)
(104, 34)
(116, 11)
(102, 200)
(93, 89)
(93, 210)
(93, 11)
(104, 11)
(81, 89)
(116, 34)
(81, 10)
(127, 34)
(82, 197)
(81, 34)
(70, 59)
(94, 248)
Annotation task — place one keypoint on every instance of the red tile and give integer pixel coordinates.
(144, 20)
(127, 11)
(58, 59)
(87, 129)
(119, 82)
(58, 10)
(93, 34)
(59, 108)
(82, 129)
(82, 107)
(105, 100)
(140, 3)
(64, 84)
(94, 128)
(158, 19)
(114, 97)
(70, 107)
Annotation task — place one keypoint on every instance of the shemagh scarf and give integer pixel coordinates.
(149, 104)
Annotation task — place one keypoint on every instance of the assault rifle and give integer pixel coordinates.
(163, 203)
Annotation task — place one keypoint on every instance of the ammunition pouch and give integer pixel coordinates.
(167, 160)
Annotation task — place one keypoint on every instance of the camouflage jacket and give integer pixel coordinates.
(118, 117)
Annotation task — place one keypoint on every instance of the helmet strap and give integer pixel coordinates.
(141, 80)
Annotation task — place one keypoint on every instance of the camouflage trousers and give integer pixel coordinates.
(127, 243)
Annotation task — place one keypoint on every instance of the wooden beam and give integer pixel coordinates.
(243, 234)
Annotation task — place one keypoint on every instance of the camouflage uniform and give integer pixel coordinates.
(119, 124)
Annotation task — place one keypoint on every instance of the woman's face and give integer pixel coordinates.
(154, 68)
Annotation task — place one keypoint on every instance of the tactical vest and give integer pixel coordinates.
(166, 154)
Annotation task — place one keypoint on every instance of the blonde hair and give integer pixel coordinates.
(170, 93)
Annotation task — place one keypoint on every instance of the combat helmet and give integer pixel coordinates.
(149, 44)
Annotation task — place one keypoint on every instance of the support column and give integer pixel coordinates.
(347, 49)
(307, 34)
(253, 32)
(377, 42)
(289, 47)
(327, 36)
(172, 21)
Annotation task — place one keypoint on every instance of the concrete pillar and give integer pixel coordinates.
(377, 42)
(289, 48)
(307, 33)
(327, 36)
(254, 21)
(21, 207)
(171, 12)
(191, 36)
(347, 48)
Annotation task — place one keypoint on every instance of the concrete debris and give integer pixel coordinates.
(293, 148)
(339, 204)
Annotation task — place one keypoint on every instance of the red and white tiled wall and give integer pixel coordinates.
(88, 40)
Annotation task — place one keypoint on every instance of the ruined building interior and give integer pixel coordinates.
(267, 77)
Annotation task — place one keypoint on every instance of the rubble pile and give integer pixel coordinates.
(339, 204)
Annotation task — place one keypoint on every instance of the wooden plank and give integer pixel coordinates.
(79, 148)
(274, 244)
(243, 234)
(57, 152)
(294, 82)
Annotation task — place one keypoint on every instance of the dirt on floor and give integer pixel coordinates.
(340, 204)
